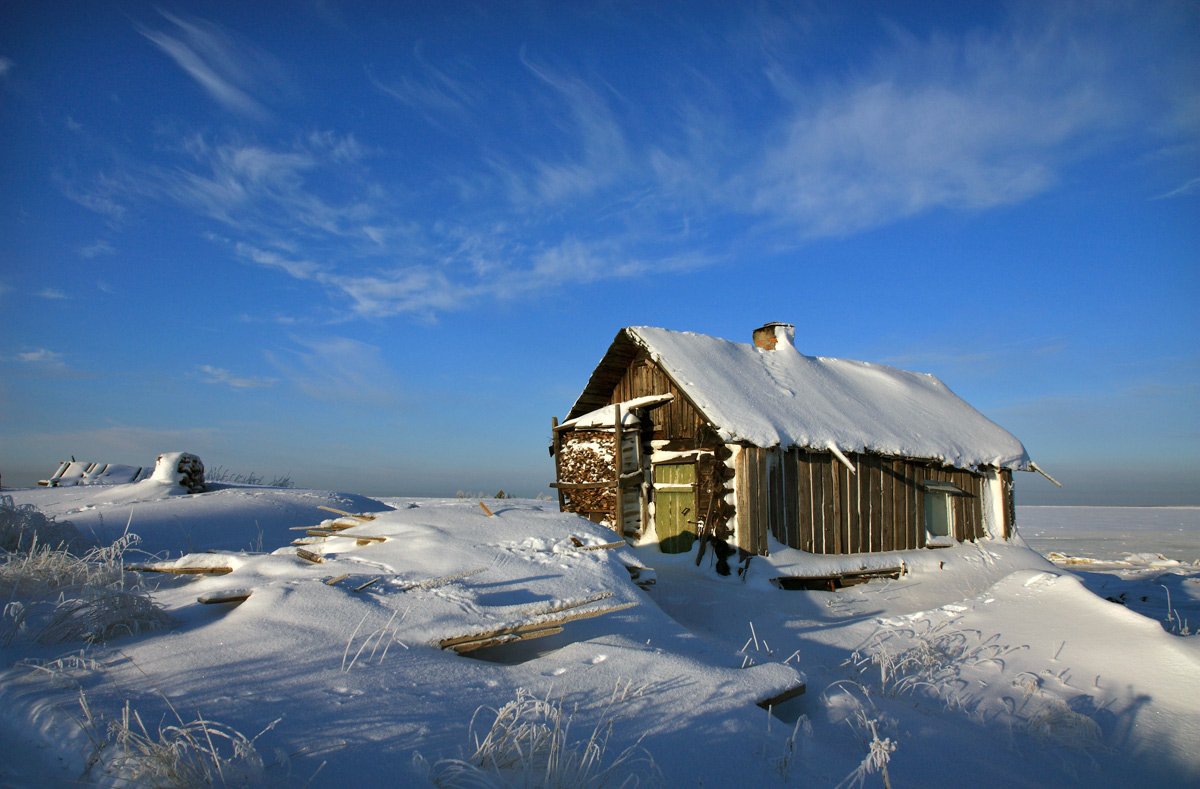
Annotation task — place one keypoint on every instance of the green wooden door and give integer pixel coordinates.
(675, 506)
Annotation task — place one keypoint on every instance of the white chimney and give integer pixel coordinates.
(770, 335)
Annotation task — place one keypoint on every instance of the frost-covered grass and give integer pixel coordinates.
(945, 663)
(199, 752)
(928, 657)
(222, 474)
(55, 596)
(22, 525)
(529, 743)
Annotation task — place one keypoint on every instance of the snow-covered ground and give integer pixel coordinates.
(983, 663)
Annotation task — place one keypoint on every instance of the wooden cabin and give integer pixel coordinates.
(758, 441)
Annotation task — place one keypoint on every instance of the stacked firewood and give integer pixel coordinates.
(588, 456)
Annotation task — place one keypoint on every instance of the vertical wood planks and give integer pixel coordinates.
(804, 509)
(828, 521)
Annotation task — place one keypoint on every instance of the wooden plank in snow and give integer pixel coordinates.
(309, 556)
(604, 546)
(345, 514)
(834, 581)
(508, 638)
(542, 623)
(225, 596)
(161, 568)
(791, 693)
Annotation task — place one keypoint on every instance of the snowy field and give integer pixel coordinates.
(983, 661)
(1113, 533)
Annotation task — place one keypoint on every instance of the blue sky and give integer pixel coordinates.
(378, 246)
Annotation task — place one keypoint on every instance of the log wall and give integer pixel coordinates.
(811, 501)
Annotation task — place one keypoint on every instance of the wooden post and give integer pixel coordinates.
(618, 509)
(557, 444)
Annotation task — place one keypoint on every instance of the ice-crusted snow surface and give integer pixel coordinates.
(983, 660)
(783, 397)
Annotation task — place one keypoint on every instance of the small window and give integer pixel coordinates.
(939, 512)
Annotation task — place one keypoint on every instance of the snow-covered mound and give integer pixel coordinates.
(170, 521)
(982, 660)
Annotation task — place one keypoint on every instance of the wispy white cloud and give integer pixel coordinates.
(219, 375)
(6, 65)
(226, 68)
(338, 369)
(617, 186)
(1185, 190)
(968, 123)
(104, 195)
(53, 294)
(431, 91)
(96, 249)
(596, 152)
(266, 191)
(40, 356)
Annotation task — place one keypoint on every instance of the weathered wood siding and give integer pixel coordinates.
(676, 420)
(810, 501)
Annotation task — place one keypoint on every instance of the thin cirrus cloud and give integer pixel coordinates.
(617, 188)
(966, 124)
(338, 369)
(428, 89)
(226, 69)
(219, 375)
(41, 356)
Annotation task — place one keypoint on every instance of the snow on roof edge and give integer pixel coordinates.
(784, 398)
(603, 416)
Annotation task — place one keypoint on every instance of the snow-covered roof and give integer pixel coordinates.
(603, 417)
(782, 397)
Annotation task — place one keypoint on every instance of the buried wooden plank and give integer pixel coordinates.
(160, 568)
(835, 581)
(337, 579)
(606, 546)
(791, 693)
(537, 612)
(547, 620)
(471, 646)
(362, 539)
(484, 507)
(333, 526)
(224, 596)
(642, 576)
(345, 514)
(309, 556)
